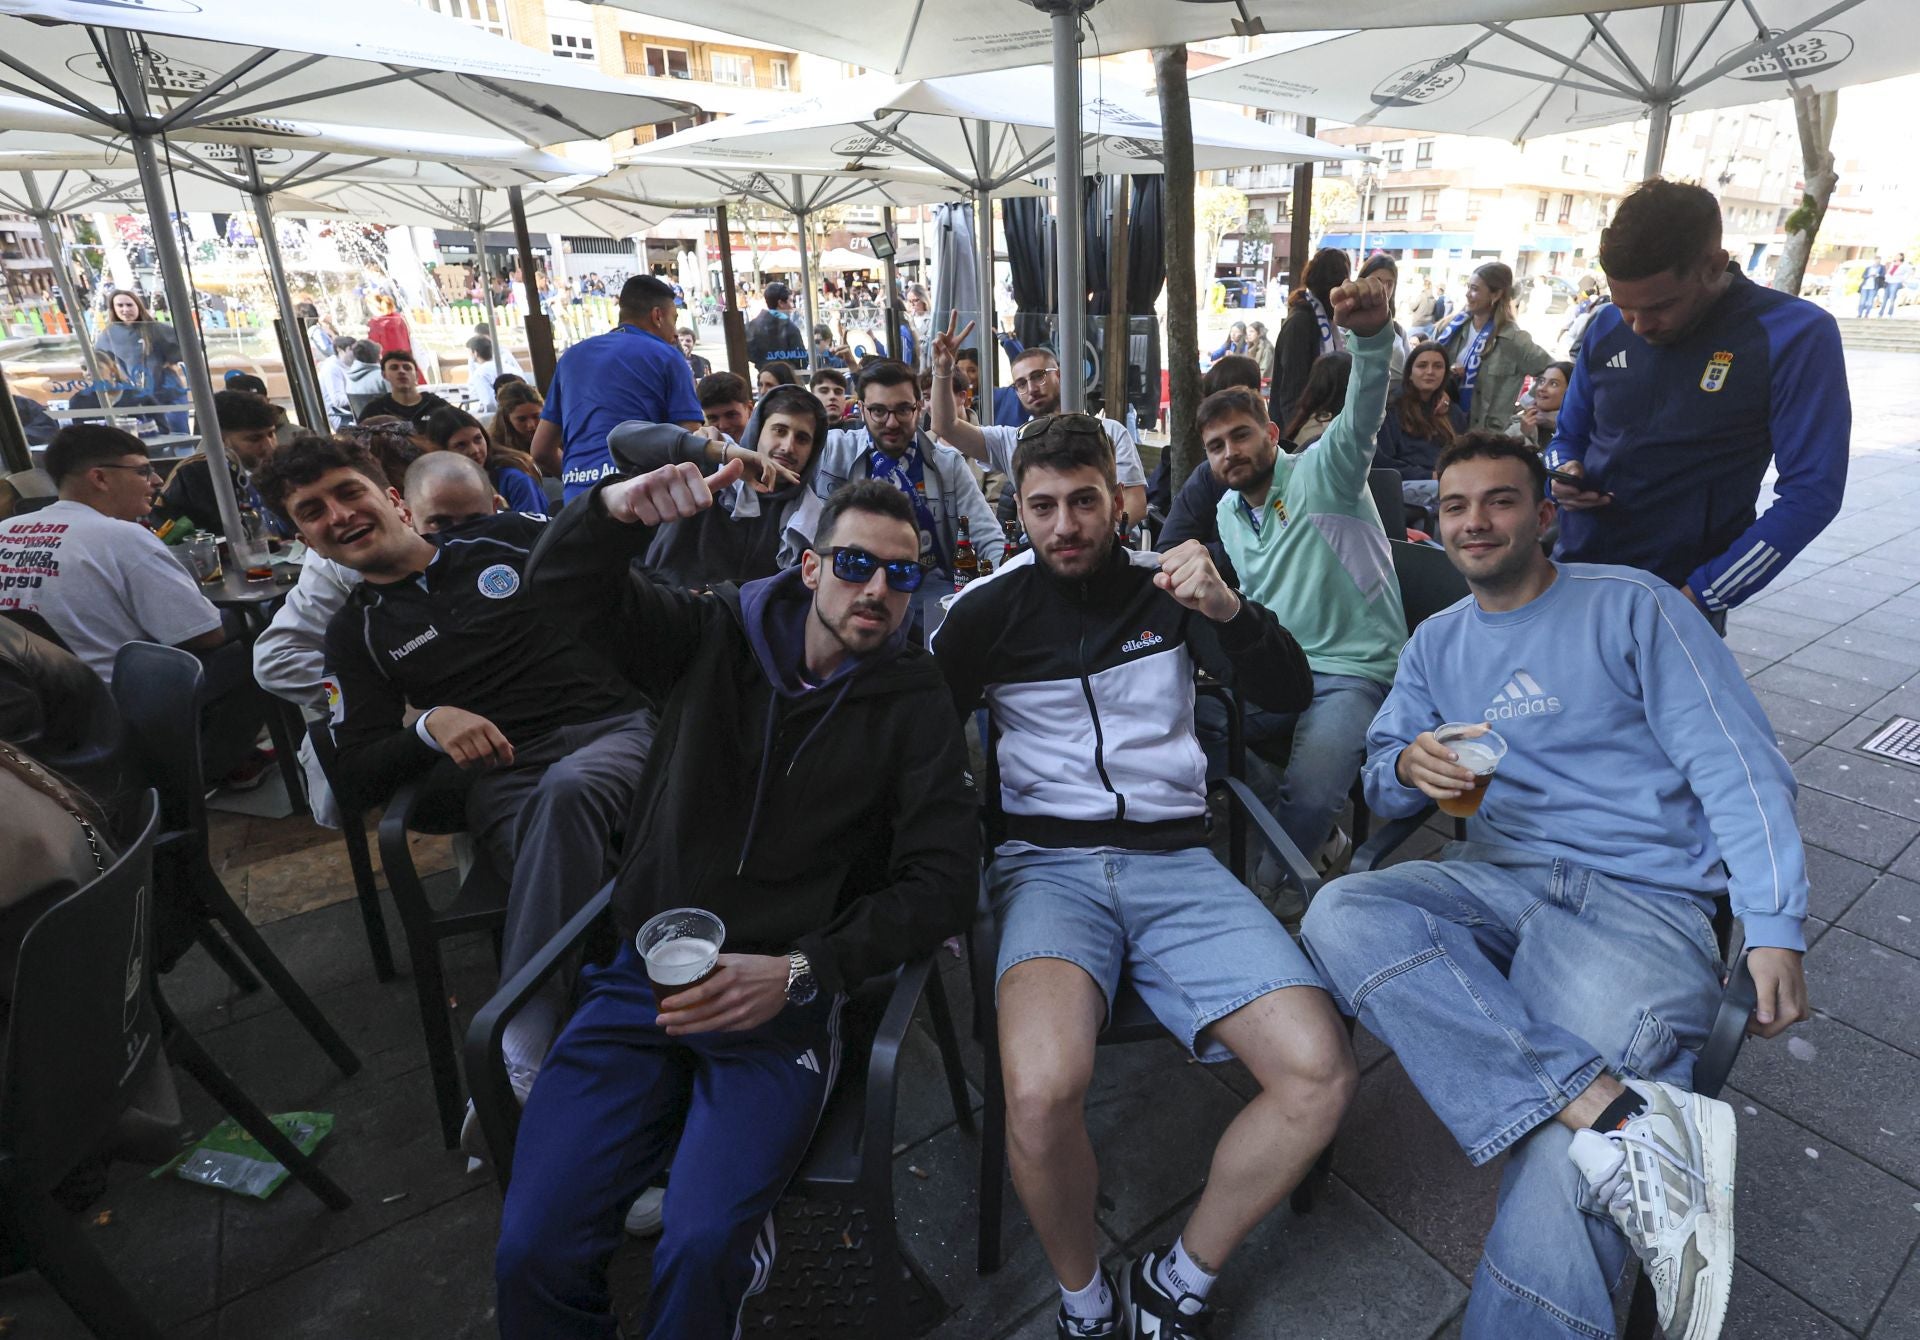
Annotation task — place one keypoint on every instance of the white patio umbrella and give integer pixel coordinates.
(920, 41)
(797, 189)
(181, 68)
(982, 132)
(1538, 76)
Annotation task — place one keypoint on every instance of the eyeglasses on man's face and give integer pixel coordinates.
(1033, 381)
(881, 413)
(854, 564)
(145, 469)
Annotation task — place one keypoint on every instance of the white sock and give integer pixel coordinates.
(529, 1034)
(1091, 1303)
(1178, 1273)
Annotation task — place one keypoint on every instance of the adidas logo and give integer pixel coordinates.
(1521, 696)
(1619, 360)
(1143, 642)
(808, 1061)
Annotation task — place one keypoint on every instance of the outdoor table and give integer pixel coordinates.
(256, 602)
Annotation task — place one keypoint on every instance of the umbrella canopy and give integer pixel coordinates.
(440, 204)
(350, 62)
(919, 41)
(1544, 75)
(980, 130)
(651, 174)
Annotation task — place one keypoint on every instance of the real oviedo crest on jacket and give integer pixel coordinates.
(1715, 377)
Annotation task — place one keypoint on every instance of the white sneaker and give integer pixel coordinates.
(1334, 854)
(643, 1216)
(1666, 1178)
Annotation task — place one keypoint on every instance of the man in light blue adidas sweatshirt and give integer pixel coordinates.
(1547, 984)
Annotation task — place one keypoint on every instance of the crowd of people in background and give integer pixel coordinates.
(706, 642)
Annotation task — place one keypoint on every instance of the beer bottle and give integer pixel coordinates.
(966, 564)
(986, 566)
(1016, 539)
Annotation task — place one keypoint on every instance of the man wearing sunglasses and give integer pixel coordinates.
(1036, 377)
(1085, 654)
(808, 788)
(102, 579)
(935, 479)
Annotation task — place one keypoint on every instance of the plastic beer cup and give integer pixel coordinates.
(1479, 755)
(680, 946)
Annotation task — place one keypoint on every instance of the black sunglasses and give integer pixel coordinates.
(855, 565)
(1069, 425)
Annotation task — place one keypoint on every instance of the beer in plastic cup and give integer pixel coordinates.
(680, 947)
(1478, 754)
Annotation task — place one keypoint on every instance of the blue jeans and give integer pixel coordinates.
(614, 1095)
(1867, 296)
(1890, 298)
(1329, 745)
(1505, 984)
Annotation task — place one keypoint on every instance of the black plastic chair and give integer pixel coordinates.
(87, 1025)
(1384, 484)
(160, 691)
(1130, 1019)
(435, 803)
(353, 830)
(1710, 1068)
(851, 1156)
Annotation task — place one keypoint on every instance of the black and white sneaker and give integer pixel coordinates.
(1110, 1327)
(1154, 1313)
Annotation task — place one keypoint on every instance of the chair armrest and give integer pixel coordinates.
(884, 1062)
(396, 855)
(1722, 1049)
(1386, 840)
(493, 1099)
(1299, 869)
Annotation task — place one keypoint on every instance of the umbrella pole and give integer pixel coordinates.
(806, 286)
(486, 284)
(306, 394)
(1070, 187)
(173, 273)
(894, 318)
(539, 326)
(62, 277)
(1660, 112)
(733, 324)
(983, 263)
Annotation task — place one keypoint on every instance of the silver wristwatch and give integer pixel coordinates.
(801, 988)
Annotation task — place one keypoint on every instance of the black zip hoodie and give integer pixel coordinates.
(834, 818)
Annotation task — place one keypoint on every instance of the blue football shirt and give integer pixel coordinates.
(602, 382)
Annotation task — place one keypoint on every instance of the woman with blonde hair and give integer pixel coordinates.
(1490, 355)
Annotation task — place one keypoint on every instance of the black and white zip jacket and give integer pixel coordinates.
(1090, 684)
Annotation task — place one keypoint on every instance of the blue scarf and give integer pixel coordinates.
(1332, 339)
(1475, 349)
(907, 472)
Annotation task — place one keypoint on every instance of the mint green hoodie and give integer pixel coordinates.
(1320, 559)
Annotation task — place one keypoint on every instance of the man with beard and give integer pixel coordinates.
(1036, 377)
(1684, 392)
(761, 523)
(936, 480)
(1547, 985)
(810, 791)
(1085, 655)
(1306, 542)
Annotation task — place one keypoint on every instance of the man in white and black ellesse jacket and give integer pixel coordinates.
(1085, 654)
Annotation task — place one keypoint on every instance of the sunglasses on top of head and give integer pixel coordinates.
(1067, 425)
(853, 564)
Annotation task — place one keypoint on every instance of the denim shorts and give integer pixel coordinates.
(1189, 936)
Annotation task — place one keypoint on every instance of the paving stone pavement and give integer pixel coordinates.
(1829, 1170)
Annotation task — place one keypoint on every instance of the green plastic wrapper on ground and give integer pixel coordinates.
(228, 1158)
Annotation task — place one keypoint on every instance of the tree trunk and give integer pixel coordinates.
(1183, 314)
(1815, 113)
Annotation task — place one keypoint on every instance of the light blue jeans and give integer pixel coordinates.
(1506, 983)
(1329, 745)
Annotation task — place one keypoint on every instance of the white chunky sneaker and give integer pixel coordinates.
(1666, 1178)
(643, 1216)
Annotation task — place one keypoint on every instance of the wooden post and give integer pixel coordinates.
(1183, 314)
(539, 326)
(1119, 319)
(1300, 229)
(732, 320)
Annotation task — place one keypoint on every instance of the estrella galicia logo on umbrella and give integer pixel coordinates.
(863, 146)
(1812, 51)
(163, 74)
(1422, 83)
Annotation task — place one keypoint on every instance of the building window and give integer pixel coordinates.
(1396, 207)
(568, 46)
(1540, 210)
(667, 63)
(730, 69)
(1423, 153)
(1395, 153)
(1566, 209)
(782, 74)
(488, 14)
(1429, 204)
(1474, 205)
(1336, 168)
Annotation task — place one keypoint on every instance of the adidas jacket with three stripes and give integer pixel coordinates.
(1682, 434)
(1090, 684)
